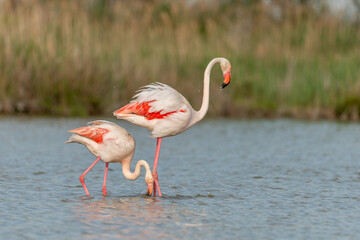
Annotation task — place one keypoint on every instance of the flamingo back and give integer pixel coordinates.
(160, 108)
(106, 140)
(92, 132)
(161, 98)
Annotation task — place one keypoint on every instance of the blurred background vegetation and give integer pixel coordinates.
(78, 58)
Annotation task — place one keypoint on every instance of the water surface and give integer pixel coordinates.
(222, 179)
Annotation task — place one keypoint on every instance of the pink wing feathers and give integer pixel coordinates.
(154, 101)
(94, 133)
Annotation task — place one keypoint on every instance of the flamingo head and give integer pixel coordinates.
(150, 183)
(226, 69)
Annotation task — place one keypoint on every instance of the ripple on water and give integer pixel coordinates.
(223, 179)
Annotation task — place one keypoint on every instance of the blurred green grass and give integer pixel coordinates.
(78, 58)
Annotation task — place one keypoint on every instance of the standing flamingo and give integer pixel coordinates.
(110, 143)
(165, 112)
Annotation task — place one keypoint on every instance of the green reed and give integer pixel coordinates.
(76, 58)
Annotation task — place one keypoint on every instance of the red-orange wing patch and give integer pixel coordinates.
(94, 133)
(142, 109)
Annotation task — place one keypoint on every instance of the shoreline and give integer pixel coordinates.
(302, 115)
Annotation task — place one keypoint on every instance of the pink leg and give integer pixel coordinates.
(105, 175)
(83, 175)
(154, 173)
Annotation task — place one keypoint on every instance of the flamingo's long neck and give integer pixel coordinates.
(206, 91)
(132, 176)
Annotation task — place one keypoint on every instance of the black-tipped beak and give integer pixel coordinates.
(224, 85)
(227, 79)
(149, 189)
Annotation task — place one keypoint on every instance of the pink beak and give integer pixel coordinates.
(149, 189)
(227, 79)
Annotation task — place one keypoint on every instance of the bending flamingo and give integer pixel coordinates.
(110, 143)
(165, 112)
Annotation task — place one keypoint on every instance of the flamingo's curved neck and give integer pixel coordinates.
(206, 91)
(132, 176)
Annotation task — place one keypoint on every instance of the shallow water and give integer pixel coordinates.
(222, 179)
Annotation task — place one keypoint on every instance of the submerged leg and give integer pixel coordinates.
(154, 173)
(105, 175)
(83, 175)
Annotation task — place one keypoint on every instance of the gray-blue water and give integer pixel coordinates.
(222, 179)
